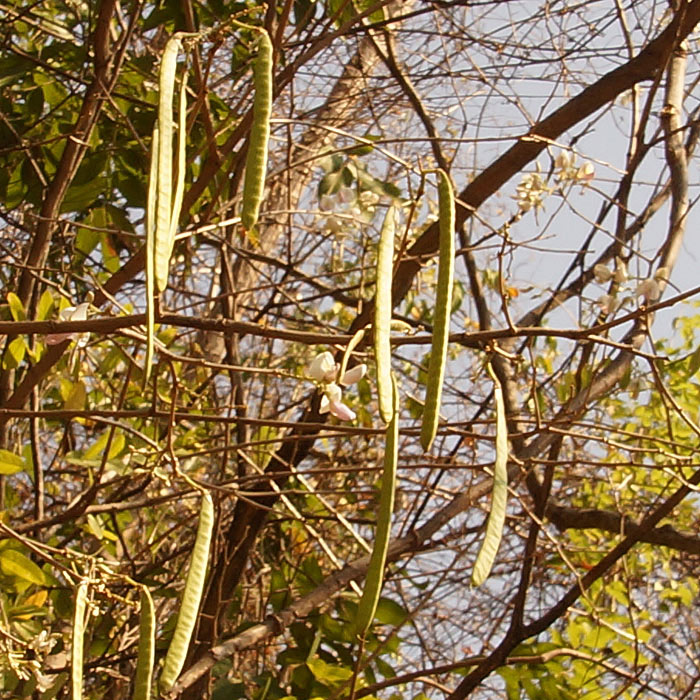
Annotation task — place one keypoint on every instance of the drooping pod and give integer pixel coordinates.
(162, 211)
(151, 253)
(375, 573)
(164, 204)
(443, 307)
(77, 650)
(382, 317)
(146, 649)
(497, 514)
(256, 160)
(191, 597)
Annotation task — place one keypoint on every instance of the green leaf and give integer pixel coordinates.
(389, 612)
(97, 448)
(328, 673)
(14, 563)
(10, 463)
(694, 362)
(15, 353)
(497, 516)
(16, 307)
(77, 395)
(45, 306)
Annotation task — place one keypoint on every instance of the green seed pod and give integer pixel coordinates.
(146, 649)
(77, 651)
(256, 161)
(191, 597)
(375, 573)
(382, 317)
(162, 248)
(151, 253)
(497, 514)
(443, 306)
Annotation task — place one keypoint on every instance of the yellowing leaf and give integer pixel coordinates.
(16, 307)
(38, 598)
(14, 563)
(75, 401)
(45, 306)
(15, 353)
(10, 463)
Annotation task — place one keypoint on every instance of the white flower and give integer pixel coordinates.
(620, 275)
(649, 289)
(71, 313)
(334, 224)
(564, 161)
(586, 172)
(323, 368)
(662, 274)
(331, 401)
(601, 273)
(352, 376)
(608, 303)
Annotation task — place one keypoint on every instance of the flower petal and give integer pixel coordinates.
(56, 338)
(352, 376)
(80, 312)
(325, 405)
(341, 411)
(322, 368)
(333, 392)
(649, 289)
(601, 273)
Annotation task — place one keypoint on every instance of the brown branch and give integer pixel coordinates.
(568, 518)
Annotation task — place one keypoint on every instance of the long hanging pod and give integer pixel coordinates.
(146, 649)
(150, 252)
(443, 307)
(382, 317)
(375, 573)
(77, 650)
(163, 211)
(256, 160)
(497, 514)
(191, 597)
(164, 204)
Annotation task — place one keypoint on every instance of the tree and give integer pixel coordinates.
(567, 131)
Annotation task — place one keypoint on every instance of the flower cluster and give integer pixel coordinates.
(531, 191)
(649, 288)
(324, 370)
(569, 170)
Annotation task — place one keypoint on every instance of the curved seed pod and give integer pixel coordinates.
(354, 342)
(382, 317)
(151, 253)
(375, 573)
(147, 647)
(164, 206)
(76, 664)
(191, 597)
(497, 514)
(256, 160)
(443, 306)
(181, 164)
